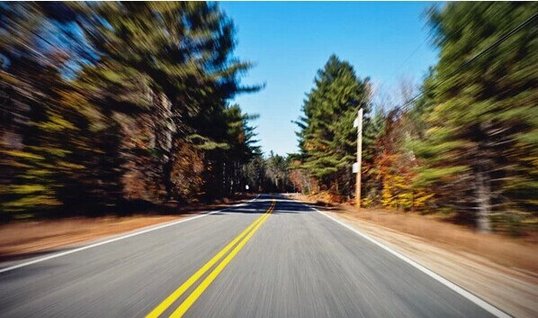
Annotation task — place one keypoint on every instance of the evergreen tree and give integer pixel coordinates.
(105, 103)
(327, 137)
(480, 149)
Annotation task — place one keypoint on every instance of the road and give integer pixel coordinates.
(271, 257)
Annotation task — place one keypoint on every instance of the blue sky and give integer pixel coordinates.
(290, 41)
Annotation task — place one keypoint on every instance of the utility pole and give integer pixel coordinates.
(357, 165)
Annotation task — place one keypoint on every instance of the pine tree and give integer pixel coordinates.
(327, 138)
(480, 150)
(105, 103)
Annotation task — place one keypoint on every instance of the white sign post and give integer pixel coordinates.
(357, 165)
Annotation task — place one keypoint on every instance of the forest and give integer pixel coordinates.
(464, 143)
(109, 106)
(105, 105)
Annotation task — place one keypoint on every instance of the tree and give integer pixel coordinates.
(40, 131)
(327, 138)
(480, 149)
(106, 103)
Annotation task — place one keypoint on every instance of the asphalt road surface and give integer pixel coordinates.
(271, 257)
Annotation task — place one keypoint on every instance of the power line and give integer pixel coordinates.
(494, 44)
(424, 41)
(409, 57)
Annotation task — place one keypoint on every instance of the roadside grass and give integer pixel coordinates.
(26, 238)
(519, 253)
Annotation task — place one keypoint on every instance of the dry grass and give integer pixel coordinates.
(499, 269)
(519, 253)
(23, 239)
(513, 290)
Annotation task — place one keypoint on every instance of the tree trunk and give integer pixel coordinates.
(483, 196)
(165, 129)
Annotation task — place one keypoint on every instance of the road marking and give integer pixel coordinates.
(137, 232)
(466, 294)
(191, 299)
(157, 311)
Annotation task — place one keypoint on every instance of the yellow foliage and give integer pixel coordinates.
(22, 154)
(421, 197)
(397, 187)
(34, 200)
(56, 123)
(70, 165)
(27, 188)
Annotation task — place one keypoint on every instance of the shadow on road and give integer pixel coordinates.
(283, 205)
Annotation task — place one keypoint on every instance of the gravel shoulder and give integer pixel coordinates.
(511, 289)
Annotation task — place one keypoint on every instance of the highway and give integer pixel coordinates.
(270, 257)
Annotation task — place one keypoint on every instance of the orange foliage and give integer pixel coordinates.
(393, 169)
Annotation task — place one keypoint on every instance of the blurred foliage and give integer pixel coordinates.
(107, 103)
(478, 152)
(467, 145)
(393, 167)
(104, 104)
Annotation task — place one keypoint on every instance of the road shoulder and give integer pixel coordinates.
(24, 241)
(511, 290)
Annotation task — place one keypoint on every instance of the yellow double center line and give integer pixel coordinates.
(235, 245)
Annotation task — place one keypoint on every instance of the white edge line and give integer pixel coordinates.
(135, 233)
(473, 298)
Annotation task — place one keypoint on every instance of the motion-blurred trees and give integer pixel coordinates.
(480, 152)
(104, 103)
(467, 145)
